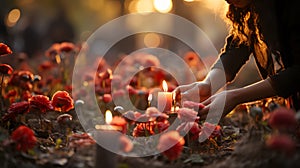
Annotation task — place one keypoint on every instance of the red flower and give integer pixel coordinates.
(192, 128)
(67, 47)
(46, 65)
(81, 140)
(154, 114)
(131, 90)
(125, 144)
(281, 143)
(4, 49)
(107, 98)
(166, 140)
(193, 105)
(40, 102)
(283, 118)
(26, 95)
(187, 115)
(6, 69)
(11, 93)
(53, 50)
(161, 126)
(15, 109)
(24, 138)
(62, 101)
(142, 129)
(210, 130)
(119, 121)
(22, 79)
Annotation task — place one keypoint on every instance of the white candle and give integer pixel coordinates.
(164, 99)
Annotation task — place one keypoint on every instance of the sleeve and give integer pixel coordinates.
(232, 58)
(287, 82)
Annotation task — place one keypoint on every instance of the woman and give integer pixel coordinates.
(267, 29)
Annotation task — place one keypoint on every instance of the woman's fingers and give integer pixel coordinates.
(203, 112)
(184, 88)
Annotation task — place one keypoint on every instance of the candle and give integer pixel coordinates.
(149, 99)
(164, 99)
(107, 126)
(109, 136)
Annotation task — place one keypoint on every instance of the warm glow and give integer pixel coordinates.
(152, 40)
(165, 86)
(150, 97)
(189, 0)
(163, 6)
(13, 17)
(108, 117)
(140, 6)
(144, 6)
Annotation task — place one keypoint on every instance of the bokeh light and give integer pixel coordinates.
(152, 40)
(163, 6)
(13, 17)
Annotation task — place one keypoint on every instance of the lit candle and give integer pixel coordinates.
(149, 99)
(109, 138)
(107, 126)
(164, 99)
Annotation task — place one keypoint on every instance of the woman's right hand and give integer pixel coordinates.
(197, 92)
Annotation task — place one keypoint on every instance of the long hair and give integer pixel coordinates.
(245, 29)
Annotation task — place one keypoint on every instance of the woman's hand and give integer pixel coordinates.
(220, 104)
(197, 92)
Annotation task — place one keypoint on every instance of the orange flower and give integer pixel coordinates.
(121, 122)
(24, 138)
(4, 49)
(107, 98)
(187, 115)
(166, 140)
(41, 103)
(62, 101)
(142, 129)
(53, 50)
(6, 69)
(67, 47)
(22, 79)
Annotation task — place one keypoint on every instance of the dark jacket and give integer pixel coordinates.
(280, 26)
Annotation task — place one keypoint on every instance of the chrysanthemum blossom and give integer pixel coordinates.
(62, 101)
(41, 103)
(171, 152)
(24, 138)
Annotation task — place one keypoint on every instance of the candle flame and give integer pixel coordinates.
(108, 116)
(165, 86)
(150, 97)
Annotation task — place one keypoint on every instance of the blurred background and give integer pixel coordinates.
(31, 26)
